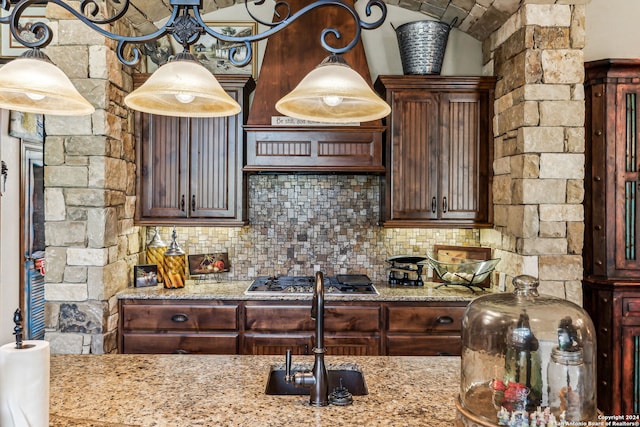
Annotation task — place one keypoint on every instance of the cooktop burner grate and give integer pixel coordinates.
(340, 284)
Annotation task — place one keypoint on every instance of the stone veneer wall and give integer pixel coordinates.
(303, 223)
(89, 195)
(539, 144)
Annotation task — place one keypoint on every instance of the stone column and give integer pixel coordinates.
(91, 241)
(539, 145)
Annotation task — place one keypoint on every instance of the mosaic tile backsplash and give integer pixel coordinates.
(303, 223)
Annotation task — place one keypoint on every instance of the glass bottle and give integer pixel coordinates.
(569, 378)
(155, 254)
(523, 375)
(176, 266)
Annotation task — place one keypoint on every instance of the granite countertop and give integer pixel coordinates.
(235, 290)
(214, 390)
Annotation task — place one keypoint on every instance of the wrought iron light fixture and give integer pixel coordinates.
(183, 86)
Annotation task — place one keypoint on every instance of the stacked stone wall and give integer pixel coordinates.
(538, 184)
(89, 194)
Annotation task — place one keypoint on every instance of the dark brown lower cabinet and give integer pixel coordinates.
(171, 326)
(428, 330)
(614, 307)
(352, 328)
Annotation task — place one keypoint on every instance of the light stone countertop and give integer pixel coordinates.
(213, 390)
(235, 290)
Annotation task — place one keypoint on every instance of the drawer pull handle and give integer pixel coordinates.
(444, 320)
(443, 353)
(179, 318)
(180, 351)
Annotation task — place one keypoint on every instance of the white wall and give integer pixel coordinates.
(463, 56)
(10, 232)
(612, 29)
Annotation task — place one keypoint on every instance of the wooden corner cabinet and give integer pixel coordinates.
(611, 285)
(189, 170)
(438, 151)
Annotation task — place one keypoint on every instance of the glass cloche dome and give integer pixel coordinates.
(527, 357)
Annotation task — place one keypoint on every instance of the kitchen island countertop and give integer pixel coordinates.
(212, 390)
(235, 290)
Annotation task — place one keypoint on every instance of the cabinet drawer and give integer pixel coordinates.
(352, 318)
(298, 318)
(631, 307)
(276, 317)
(425, 319)
(179, 317)
(411, 345)
(181, 343)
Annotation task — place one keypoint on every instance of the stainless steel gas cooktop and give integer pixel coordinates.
(341, 284)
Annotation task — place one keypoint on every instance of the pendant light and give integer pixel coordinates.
(333, 93)
(31, 83)
(183, 87)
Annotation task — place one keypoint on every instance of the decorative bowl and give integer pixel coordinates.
(465, 272)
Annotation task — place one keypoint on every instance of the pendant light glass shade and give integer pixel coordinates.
(333, 93)
(183, 87)
(33, 84)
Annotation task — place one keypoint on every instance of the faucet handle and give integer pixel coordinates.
(287, 367)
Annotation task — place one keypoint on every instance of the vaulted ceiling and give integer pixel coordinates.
(478, 18)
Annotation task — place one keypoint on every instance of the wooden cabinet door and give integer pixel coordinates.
(213, 159)
(627, 179)
(414, 156)
(464, 150)
(630, 381)
(164, 166)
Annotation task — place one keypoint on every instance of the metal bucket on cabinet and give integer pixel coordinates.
(422, 45)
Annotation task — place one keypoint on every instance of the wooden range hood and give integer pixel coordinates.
(289, 56)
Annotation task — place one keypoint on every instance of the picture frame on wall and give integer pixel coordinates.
(9, 46)
(27, 126)
(203, 264)
(214, 53)
(145, 275)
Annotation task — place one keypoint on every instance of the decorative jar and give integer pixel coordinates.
(155, 254)
(175, 263)
(527, 359)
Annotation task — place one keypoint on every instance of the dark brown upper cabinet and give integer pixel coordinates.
(438, 151)
(189, 170)
(611, 200)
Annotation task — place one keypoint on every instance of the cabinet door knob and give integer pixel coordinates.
(597, 178)
(182, 203)
(598, 133)
(179, 318)
(193, 203)
(444, 320)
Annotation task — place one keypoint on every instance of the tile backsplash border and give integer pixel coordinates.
(301, 223)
